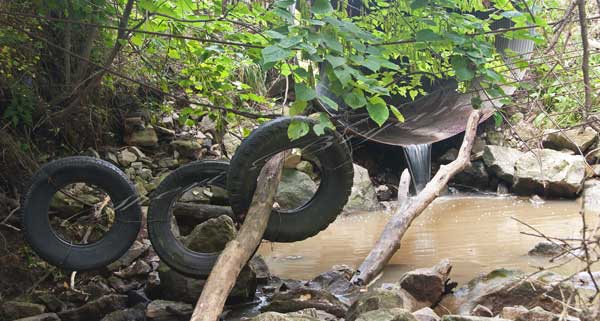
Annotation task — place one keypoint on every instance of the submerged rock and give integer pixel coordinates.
(387, 315)
(502, 288)
(546, 171)
(363, 196)
(573, 139)
(546, 249)
(501, 161)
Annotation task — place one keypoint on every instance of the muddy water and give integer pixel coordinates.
(476, 233)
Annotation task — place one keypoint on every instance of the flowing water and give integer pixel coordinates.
(477, 234)
(419, 164)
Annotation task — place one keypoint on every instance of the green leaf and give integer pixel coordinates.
(298, 107)
(283, 3)
(397, 114)
(321, 7)
(378, 110)
(290, 41)
(274, 34)
(427, 35)
(343, 74)
(324, 122)
(461, 68)
(328, 102)
(335, 61)
(297, 129)
(355, 99)
(274, 54)
(305, 93)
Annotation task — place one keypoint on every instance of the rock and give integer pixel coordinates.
(564, 174)
(260, 268)
(123, 286)
(501, 161)
(139, 267)
(305, 298)
(212, 235)
(592, 193)
(170, 163)
(96, 309)
(295, 189)
(307, 167)
(363, 196)
(125, 158)
(135, 251)
(388, 296)
(231, 144)
(292, 160)
(428, 284)
(337, 282)
(111, 157)
(275, 316)
(132, 314)
(469, 318)
(475, 175)
(387, 315)
(384, 193)
(449, 156)
(482, 311)
(546, 249)
(314, 313)
(145, 137)
(501, 288)
(573, 139)
(161, 310)
(12, 310)
(42, 317)
(188, 148)
(426, 314)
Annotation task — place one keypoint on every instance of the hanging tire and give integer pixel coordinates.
(44, 240)
(170, 250)
(335, 166)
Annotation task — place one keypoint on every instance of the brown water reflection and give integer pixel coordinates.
(476, 233)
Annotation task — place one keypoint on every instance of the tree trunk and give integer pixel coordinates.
(238, 251)
(411, 208)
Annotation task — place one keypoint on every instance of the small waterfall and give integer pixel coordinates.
(419, 164)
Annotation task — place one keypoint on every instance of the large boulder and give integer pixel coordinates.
(501, 161)
(387, 296)
(573, 139)
(474, 175)
(363, 196)
(210, 236)
(338, 282)
(387, 315)
(502, 288)
(427, 284)
(549, 172)
(295, 189)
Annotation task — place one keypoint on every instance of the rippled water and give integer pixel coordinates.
(476, 233)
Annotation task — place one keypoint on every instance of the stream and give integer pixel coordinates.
(476, 233)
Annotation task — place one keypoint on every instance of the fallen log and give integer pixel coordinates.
(201, 212)
(238, 251)
(411, 208)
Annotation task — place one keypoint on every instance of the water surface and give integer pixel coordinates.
(476, 233)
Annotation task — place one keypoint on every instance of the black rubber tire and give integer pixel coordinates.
(328, 201)
(167, 246)
(79, 169)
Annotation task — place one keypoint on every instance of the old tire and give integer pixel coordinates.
(167, 246)
(75, 257)
(335, 166)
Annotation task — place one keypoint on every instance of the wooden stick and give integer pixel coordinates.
(238, 251)
(411, 208)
